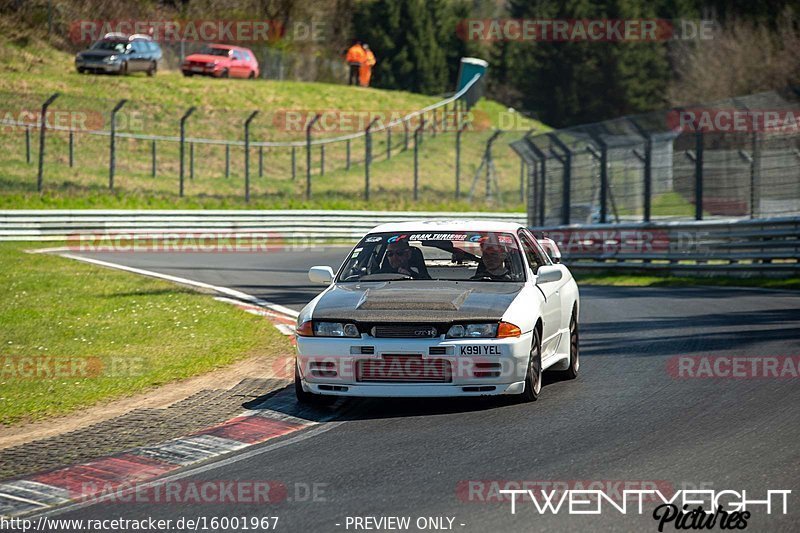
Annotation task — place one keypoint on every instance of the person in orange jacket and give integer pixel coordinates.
(355, 57)
(365, 72)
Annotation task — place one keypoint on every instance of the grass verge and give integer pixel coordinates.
(636, 280)
(73, 335)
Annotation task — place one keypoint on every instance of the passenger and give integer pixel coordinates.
(399, 260)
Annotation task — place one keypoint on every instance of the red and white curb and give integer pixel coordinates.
(87, 481)
(278, 416)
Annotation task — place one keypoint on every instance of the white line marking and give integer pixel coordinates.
(222, 290)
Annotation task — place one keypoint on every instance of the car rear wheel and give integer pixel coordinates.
(533, 376)
(123, 70)
(252, 75)
(187, 74)
(152, 70)
(574, 353)
(225, 74)
(309, 398)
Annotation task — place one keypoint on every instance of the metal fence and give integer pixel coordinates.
(737, 158)
(150, 141)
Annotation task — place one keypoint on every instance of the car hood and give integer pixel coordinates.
(98, 54)
(205, 58)
(416, 301)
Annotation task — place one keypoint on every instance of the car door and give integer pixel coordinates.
(551, 311)
(136, 57)
(237, 65)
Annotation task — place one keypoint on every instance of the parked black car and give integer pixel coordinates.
(118, 53)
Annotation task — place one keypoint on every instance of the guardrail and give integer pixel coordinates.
(56, 225)
(766, 246)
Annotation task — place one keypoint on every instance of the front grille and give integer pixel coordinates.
(413, 331)
(404, 369)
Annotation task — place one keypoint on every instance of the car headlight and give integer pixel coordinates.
(483, 331)
(111, 59)
(327, 329)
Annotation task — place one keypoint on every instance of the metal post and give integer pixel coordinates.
(71, 148)
(567, 178)
(367, 156)
(388, 143)
(183, 141)
(247, 155)
(112, 146)
(433, 124)
(541, 189)
(308, 154)
(755, 178)
(227, 160)
(347, 163)
(521, 180)
(28, 145)
(294, 162)
(191, 161)
(260, 161)
(698, 176)
(321, 159)
(405, 135)
(458, 160)
(604, 186)
(153, 165)
(648, 169)
(42, 128)
(417, 133)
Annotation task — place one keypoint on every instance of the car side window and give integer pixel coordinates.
(534, 255)
(539, 248)
(246, 56)
(237, 55)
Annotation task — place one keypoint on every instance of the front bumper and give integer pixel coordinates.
(477, 367)
(98, 66)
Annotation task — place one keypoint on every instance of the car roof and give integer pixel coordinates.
(421, 226)
(229, 47)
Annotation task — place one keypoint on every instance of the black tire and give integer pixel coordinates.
(81, 71)
(188, 74)
(533, 376)
(252, 75)
(309, 398)
(153, 69)
(225, 74)
(123, 71)
(574, 350)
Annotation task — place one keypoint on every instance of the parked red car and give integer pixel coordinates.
(222, 61)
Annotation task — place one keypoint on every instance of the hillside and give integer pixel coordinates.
(33, 70)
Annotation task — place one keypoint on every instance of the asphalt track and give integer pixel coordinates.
(626, 418)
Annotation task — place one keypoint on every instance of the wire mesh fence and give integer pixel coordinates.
(737, 158)
(132, 146)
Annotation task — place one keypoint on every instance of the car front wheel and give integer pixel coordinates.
(309, 398)
(152, 70)
(533, 376)
(571, 371)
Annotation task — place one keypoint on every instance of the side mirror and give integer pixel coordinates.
(552, 249)
(548, 274)
(321, 274)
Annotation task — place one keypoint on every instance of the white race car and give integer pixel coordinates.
(433, 309)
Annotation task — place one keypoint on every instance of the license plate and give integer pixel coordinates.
(480, 349)
(197, 69)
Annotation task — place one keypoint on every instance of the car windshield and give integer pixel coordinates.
(116, 46)
(211, 51)
(463, 256)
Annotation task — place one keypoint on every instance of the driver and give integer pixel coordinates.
(493, 261)
(398, 255)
